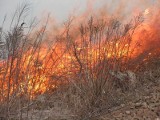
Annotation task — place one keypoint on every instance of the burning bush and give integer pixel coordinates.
(87, 62)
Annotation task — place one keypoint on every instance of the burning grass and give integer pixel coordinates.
(85, 63)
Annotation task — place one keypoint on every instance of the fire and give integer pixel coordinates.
(146, 12)
(39, 70)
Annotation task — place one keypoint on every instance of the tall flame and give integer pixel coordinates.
(44, 69)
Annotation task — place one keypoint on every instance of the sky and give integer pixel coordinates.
(60, 9)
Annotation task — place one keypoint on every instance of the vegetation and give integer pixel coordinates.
(87, 68)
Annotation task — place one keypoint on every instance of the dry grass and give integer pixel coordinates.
(95, 78)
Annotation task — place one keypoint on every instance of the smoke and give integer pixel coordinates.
(145, 38)
(147, 35)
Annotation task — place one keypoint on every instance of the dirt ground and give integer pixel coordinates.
(143, 105)
(146, 107)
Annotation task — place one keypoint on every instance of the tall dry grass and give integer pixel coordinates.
(84, 68)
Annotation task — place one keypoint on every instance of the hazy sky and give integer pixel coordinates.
(58, 8)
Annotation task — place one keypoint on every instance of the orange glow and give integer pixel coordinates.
(146, 12)
(40, 70)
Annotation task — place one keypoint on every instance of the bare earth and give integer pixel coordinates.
(143, 105)
(146, 107)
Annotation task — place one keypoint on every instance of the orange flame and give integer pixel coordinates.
(41, 70)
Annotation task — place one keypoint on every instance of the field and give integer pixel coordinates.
(92, 67)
